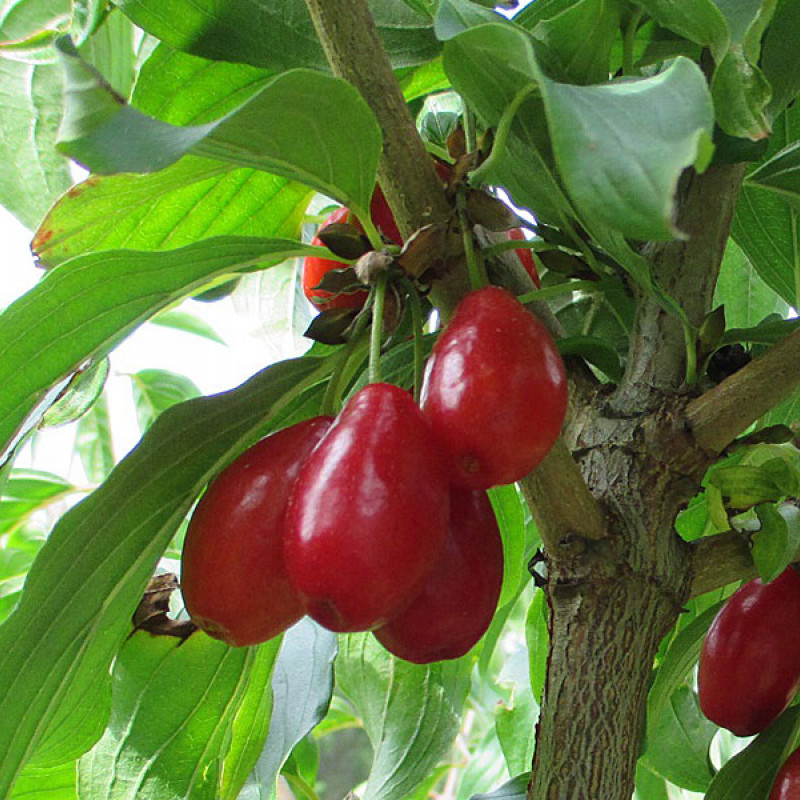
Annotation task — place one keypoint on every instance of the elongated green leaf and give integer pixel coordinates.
(85, 307)
(189, 323)
(454, 16)
(110, 50)
(781, 173)
(187, 90)
(89, 577)
(193, 199)
(681, 657)
(302, 687)
(515, 789)
(276, 35)
(649, 786)
(93, 442)
(700, 21)
(741, 94)
(337, 153)
(410, 712)
(33, 173)
(155, 390)
(510, 516)
(80, 395)
(678, 742)
(778, 61)
(55, 783)
(749, 775)
(163, 742)
(25, 492)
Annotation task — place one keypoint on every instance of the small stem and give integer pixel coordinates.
(477, 273)
(331, 402)
(376, 334)
(501, 134)
(440, 152)
(416, 323)
(629, 41)
(690, 339)
(470, 133)
(369, 228)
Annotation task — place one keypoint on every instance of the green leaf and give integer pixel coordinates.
(741, 94)
(510, 518)
(515, 718)
(110, 51)
(336, 155)
(187, 90)
(515, 789)
(749, 775)
(194, 199)
(778, 56)
(679, 740)
(80, 395)
(93, 442)
(302, 687)
(53, 783)
(89, 577)
(276, 35)
(537, 639)
(27, 491)
(781, 174)
(411, 712)
(776, 543)
(700, 21)
(575, 46)
(596, 351)
(681, 656)
(604, 137)
(161, 743)
(745, 485)
(649, 786)
(33, 173)
(767, 333)
(84, 308)
(454, 16)
(189, 323)
(747, 299)
(155, 390)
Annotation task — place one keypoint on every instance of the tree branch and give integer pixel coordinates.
(719, 560)
(722, 413)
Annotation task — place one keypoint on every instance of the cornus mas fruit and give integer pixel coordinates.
(457, 601)
(787, 782)
(750, 662)
(369, 512)
(495, 390)
(315, 268)
(233, 578)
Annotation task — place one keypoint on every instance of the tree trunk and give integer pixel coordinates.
(612, 600)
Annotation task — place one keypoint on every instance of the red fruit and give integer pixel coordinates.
(233, 577)
(495, 390)
(787, 781)
(458, 599)
(525, 255)
(315, 269)
(369, 512)
(383, 218)
(750, 661)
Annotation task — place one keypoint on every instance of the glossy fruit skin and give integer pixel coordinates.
(525, 255)
(495, 390)
(750, 662)
(315, 268)
(233, 577)
(787, 782)
(458, 599)
(369, 512)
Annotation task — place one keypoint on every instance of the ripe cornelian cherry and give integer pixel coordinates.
(525, 255)
(458, 599)
(750, 662)
(369, 512)
(495, 390)
(233, 578)
(315, 268)
(787, 782)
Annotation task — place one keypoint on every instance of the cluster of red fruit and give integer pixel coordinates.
(379, 519)
(315, 268)
(750, 664)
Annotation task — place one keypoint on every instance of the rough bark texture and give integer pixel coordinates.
(611, 601)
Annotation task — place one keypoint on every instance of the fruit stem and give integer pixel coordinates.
(477, 273)
(477, 175)
(331, 402)
(368, 225)
(376, 334)
(629, 40)
(416, 323)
